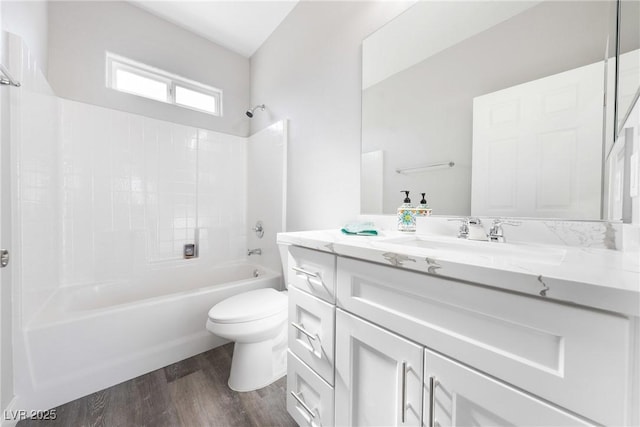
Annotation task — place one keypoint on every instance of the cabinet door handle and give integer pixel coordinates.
(305, 272)
(304, 331)
(433, 383)
(403, 408)
(302, 403)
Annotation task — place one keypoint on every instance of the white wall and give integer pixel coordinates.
(309, 71)
(633, 122)
(623, 166)
(266, 191)
(81, 31)
(28, 19)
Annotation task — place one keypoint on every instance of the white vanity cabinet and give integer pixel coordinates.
(378, 375)
(575, 357)
(311, 336)
(491, 356)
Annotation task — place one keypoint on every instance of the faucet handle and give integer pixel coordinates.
(463, 232)
(259, 229)
(496, 234)
(473, 220)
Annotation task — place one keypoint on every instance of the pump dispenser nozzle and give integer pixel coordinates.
(423, 201)
(406, 199)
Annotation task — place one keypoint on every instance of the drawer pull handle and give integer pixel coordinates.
(297, 397)
(403, 408)
(312, 338)
(433, 383)
(304, 331)
(305, 272)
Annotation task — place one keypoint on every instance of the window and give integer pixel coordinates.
(126, 75)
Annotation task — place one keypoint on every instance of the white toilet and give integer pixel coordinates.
(256, 321)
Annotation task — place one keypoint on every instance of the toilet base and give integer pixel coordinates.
(256, 365)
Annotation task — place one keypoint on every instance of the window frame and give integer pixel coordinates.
(115, 62)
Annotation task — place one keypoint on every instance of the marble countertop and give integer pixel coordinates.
(595, 277)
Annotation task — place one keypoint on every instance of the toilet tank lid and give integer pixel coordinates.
(248, 306)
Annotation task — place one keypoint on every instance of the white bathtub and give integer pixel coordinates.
(94, 336)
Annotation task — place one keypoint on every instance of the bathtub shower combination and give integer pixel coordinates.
(104, 202)
(91, 337)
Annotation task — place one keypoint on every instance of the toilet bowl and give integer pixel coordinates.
(256, 321)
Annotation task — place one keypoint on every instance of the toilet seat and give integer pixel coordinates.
(249, 306)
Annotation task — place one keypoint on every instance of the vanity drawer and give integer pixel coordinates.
(575, 357)
(313, 272)
(311, 332)
(309, 397)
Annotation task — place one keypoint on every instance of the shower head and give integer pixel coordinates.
(250, 111)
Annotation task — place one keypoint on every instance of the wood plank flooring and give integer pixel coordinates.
(190, 393)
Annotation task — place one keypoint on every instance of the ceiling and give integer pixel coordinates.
(239, 25)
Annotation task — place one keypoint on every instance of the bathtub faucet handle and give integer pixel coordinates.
(259, 229)
(257, 251)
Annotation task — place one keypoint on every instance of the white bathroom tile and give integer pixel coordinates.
(131, 191)
(238, 248)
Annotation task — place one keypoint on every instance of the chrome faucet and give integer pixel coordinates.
(257, 251)
(496, 233)
(471, 228)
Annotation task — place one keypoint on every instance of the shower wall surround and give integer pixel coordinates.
(266, 196)
(135, 190)
(34, 119)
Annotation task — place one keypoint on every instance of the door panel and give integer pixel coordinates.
(537, 147)
(378, 375)
(465, 397)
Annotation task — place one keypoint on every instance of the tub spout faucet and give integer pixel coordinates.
(254, 252)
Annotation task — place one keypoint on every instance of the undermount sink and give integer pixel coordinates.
(497, 251)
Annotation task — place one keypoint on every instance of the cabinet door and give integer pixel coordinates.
(378, 376)
(456, 395)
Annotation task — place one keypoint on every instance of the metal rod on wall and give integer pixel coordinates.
(425, 168)
(7, 79)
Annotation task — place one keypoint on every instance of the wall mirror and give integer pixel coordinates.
(629, 57)
(490, 108)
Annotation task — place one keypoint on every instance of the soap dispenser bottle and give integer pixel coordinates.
(406, 215)
(423, 207)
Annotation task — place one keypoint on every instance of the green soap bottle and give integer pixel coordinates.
(406, 215)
